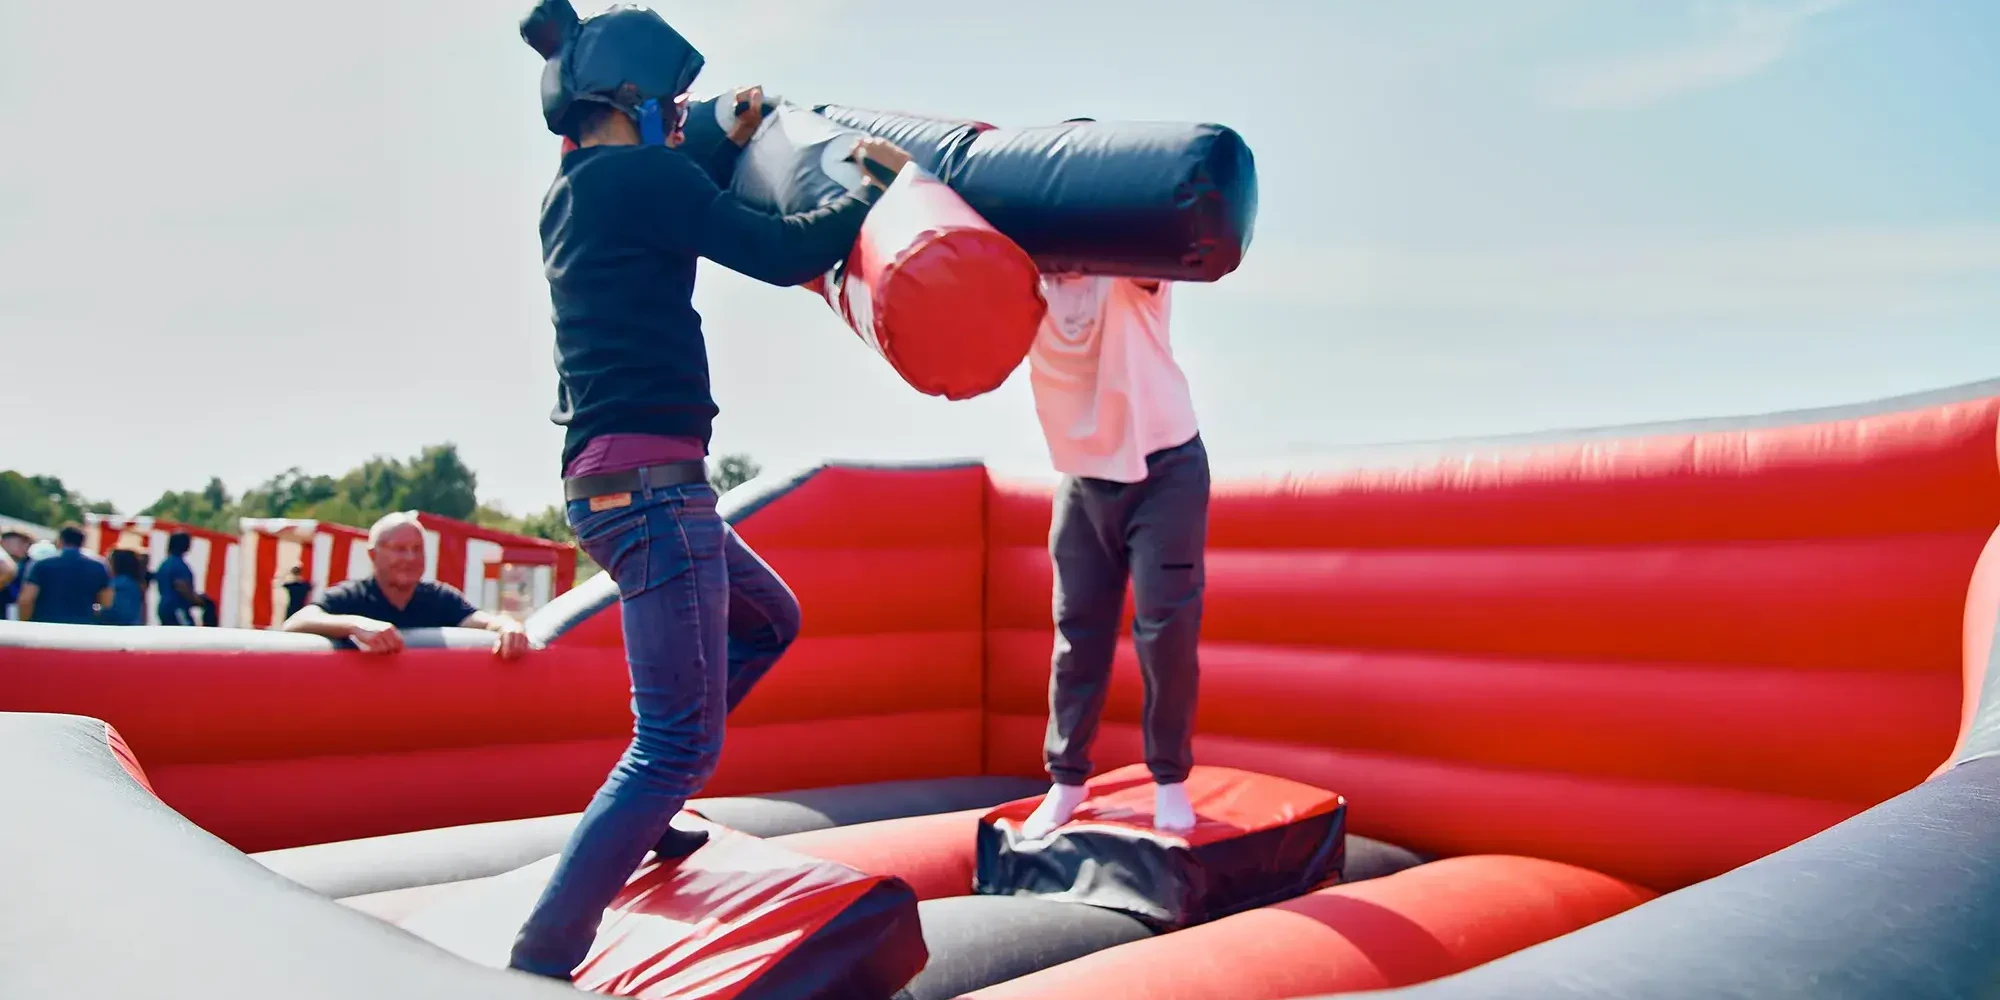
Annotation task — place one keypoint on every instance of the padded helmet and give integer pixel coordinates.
(627, 57)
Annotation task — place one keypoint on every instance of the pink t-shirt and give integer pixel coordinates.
(1107, 389)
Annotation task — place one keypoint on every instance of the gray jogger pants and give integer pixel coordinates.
(1152, 532)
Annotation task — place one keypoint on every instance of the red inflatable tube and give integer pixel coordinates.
(940, 294)
(1410, 927)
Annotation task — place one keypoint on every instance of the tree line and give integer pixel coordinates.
(435, 480)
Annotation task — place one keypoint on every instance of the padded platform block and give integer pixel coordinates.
(1259, 839)
(742, 919)
(978, 941)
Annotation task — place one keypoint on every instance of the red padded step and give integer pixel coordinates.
(1258, 839)
(742, 919)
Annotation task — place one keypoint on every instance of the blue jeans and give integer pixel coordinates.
(704, 620)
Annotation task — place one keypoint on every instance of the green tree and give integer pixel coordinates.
(339, 510)
(376, 486)
(727, 472)
(494, 516)
(439, 482)
(21, 497)
(209, 507)
(45, 500)
(288, 494)
(550, 522)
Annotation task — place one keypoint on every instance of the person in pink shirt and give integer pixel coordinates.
(1132, 505)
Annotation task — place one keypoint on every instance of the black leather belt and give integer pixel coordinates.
(635, 480)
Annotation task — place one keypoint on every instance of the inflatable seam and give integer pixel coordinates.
(1772, 420)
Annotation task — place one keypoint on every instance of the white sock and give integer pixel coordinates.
(1172, 812)
(1056, 809)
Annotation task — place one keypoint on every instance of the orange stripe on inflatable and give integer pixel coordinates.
(1848, 603)
(1405, 928)
(123, 754)
(1656, 834)
(1845, 735)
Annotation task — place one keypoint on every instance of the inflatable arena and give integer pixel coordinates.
(1663, 712)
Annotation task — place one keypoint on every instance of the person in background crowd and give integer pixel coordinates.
(67, 587)
(128, 590)
(297, 590)
(369, 612)
(14, 544)
(178, 598)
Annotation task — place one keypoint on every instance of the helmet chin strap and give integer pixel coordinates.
(653, 127)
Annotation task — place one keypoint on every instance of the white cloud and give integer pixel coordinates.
(1854, 275)
(1748, 39)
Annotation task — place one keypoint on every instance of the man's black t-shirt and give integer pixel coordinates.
(433, 605)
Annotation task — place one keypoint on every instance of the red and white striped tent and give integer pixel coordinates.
(212, 555)
(465, 555)
(330, 553)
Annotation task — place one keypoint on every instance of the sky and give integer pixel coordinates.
(238, 237)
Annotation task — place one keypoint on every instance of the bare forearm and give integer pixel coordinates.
(489, 622)
(313, 621)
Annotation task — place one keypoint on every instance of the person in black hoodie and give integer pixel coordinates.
(622, 227)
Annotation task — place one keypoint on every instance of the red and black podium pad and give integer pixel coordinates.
(741, 919)
(1258, 840)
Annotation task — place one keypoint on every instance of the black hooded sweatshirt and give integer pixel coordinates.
(621, 229)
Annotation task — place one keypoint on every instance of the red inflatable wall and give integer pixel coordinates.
(884, 681)
(1654, 658)
(278, 743)
(1658, 658)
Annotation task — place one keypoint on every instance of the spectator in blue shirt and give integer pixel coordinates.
(178, 598)
(15, 545)
(67, 587)
(128, 589)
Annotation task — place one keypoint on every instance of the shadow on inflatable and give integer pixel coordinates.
(1694, 710)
